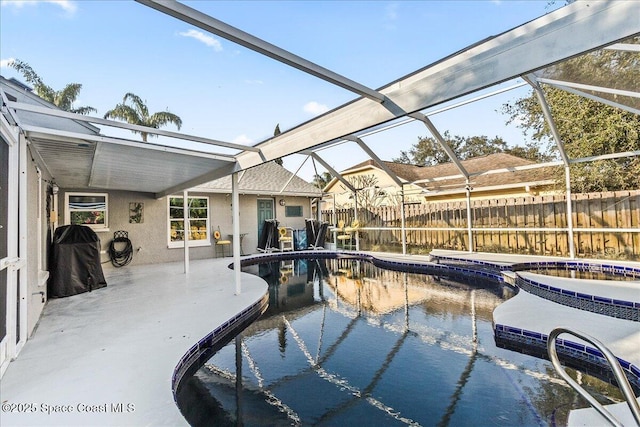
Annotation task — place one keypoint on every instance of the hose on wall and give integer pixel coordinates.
(120, 257)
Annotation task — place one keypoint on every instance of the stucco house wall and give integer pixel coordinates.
(150, 238)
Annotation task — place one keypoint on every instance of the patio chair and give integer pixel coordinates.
(285, 236)
(220, 244)
(343, 235)
(348, 233)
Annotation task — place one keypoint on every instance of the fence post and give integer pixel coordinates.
(572, 246)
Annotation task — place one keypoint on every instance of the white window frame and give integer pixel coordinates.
(95, 227)
(192, 243)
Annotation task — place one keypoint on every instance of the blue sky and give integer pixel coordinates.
(226, 92)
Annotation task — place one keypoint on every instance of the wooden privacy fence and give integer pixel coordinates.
(605, 225)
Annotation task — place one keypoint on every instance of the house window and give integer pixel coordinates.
(293, 211)
(90, 209)
(198, 221)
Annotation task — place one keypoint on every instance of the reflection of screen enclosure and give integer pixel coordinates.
(198, 215)
(87, 209)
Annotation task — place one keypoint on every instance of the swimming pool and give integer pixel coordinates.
(346, 343)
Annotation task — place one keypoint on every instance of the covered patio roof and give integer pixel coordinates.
(79, 153)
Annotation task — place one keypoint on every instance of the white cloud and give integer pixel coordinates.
(315, 108)
(4, 63)
(203, 38)
(392, 11)
(391, 16)
(254, 82)
(66, 5)
(243, 139)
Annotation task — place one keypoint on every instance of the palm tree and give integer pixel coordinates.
(63, 99)
(138, 114)
(277, 132)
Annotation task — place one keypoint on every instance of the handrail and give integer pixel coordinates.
(623, 382)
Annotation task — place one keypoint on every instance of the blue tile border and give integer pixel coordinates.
(206, 347)
(620, 309)
(580, 265)
(575, 354)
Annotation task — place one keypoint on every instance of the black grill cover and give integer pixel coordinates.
(74, 266)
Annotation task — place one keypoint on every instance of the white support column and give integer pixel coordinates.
(22, 238)
(8, 348)
(469, 221)
(334, 223)
(187, 228)
(355, 218)
(572, 246)
(403, 223)
(235, 212)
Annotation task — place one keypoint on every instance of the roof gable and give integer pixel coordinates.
(267, 178)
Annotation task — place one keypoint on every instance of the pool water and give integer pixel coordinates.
(344, 343)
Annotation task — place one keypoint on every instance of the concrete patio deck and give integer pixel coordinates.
(119, 345)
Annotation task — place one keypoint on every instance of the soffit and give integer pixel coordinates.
(80, 164)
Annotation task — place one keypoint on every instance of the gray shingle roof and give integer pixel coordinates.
(267, 178)
(413, 173)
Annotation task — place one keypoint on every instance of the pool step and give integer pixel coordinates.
(523, 323)
(619, 299)
(591, 417)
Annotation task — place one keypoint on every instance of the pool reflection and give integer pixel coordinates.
(345, 343)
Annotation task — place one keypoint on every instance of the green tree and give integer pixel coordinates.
(321, 180)
(63, 99)
(367, 190)
(428, 152)
(587, 127)
(134, 111)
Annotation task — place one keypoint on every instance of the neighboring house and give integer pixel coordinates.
(110, 185)
(424, 184)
